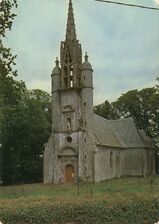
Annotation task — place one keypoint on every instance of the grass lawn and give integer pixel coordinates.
(122, 201)
(132, 187)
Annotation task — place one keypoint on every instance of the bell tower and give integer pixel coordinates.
(68, 154)
(71, 55)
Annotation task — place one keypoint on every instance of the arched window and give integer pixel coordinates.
(71, 81)
(71, 68)
(68, 120)
(71, 76)
(65, 76)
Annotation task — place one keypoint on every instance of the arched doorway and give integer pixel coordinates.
(69, 174)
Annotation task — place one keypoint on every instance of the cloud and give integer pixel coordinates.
(122, 43)
(40, 84)
(156, 2)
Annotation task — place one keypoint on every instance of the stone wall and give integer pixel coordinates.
(135, 162)
(48, 161)
(108, 163)
(113, 162)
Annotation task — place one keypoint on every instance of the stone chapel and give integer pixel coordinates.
(84, 146)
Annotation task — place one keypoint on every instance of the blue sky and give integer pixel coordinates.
(122, 43)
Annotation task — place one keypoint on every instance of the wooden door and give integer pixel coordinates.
(69, 174)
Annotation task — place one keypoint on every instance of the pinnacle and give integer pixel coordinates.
(57, 62)
(71, 30)
(86, 57)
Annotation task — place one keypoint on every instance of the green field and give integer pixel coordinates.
(121, 201)
(124, 187)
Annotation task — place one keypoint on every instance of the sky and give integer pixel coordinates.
(122, 43)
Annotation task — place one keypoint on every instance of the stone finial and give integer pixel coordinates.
(86, 57)
(71, 30)
(57, 62)
(86, 65)
(56, 68)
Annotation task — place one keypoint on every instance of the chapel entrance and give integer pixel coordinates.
(69, 174)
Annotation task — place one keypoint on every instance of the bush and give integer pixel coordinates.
(99, 211)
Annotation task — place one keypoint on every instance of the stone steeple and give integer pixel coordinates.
(71, 30)
(69, 152)
(71, 54)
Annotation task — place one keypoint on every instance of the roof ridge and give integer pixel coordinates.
(122, 119)
(114, 120)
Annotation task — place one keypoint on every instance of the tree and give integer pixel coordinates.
(25, 120)
(106, 110)
(6, 60)
(27, 128)
(141, 105)
(7, 16)
(6, 57)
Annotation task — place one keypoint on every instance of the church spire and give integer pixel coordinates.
(71, 30)
(71, 54)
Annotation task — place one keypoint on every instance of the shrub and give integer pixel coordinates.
(98, 211)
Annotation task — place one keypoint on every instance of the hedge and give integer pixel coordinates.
(79, 212)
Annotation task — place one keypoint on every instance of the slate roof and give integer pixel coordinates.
(104, 133)
(120, 133)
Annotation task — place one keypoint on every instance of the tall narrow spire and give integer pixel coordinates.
(71, 30)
